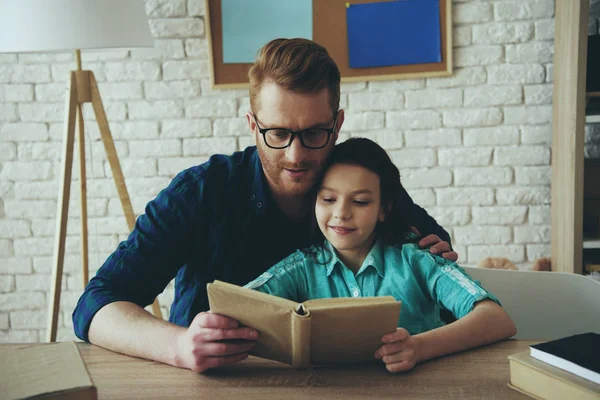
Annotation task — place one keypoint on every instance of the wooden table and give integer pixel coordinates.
(479, 373)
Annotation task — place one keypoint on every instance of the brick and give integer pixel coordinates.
(51, 92)
(522, 155)
(8, 58)
(22, 301)
(48, 151)
(516, 73)
(41, 112)
(196, 48)
(61, 71)
(433, 138)
(465, 157)
(396, 86)
(172, 90)
(491, 136)
(483, 234)
(422, 197)
(493, 95)
(30, 319)
(164, 49)
(426, 177)
(464, 196)
(472, 117)
(549, 73)
(138, 203)
(388, 139)
(502, 32)
(155, 109)
(535, 251)
(128, 130)
(8, 151)
(461, 36)
(10, 228)
(527, 115)
(35, 283)
(15, 265)
(17, 93)
(482, 176)
(230, 127)
(196, 8)
(434, 98)
(407, 158)
(121, 90)
(19, 336)
(7, 283)
(168, 8)
(148, 187)
(208, 146)
(532, 234)
(210, 108)
(540, 215)
(109, 225)
(451, 216)
(533, 175)
(4, 321)
(45, 58)
(8, 112)
(375, 101)
(544, 29)
(516, 10)
(172, 166)
(177, 27)
(103, 55)
(30, 73)
(538, 94)
(515, 253)
(133, 71)
(26, 171)
(5, 72)
(34, 246)
(186, 128)
(540, 52)
(102, 244)
(135, 168)
(499, 215)
(155, 148)
(347, 87)
(536, 134)
(471, 13)
(114, 112)
(591, 151)
(186, 69)
(461, 77)
(245, 141)
(533, 195)
(423, 119)
(478, 55)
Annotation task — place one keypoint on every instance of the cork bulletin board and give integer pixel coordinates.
(329, 29)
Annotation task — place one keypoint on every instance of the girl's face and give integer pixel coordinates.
(348, 208)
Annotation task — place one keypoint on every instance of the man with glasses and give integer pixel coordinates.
(230, 218)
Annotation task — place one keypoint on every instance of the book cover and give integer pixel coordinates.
(540, 380)
(315, 332)
(49, 371)
(578, 354)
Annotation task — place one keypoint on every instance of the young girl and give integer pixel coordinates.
(366, 249)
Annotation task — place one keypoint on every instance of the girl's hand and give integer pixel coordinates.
(399, 351)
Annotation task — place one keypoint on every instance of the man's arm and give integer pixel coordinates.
(420, 219)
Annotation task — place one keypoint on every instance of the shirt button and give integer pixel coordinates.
(355, 293)
(259, 204)
(252, 197)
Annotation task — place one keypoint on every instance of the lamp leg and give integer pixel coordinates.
(83, 190)
(62, 214)
(115, 166)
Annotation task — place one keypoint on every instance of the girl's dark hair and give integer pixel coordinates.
(368, 154)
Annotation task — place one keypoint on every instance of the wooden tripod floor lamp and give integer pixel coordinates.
(58, 25)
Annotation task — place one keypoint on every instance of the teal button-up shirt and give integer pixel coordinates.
(423, 282)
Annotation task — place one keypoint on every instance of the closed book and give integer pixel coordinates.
(49, 371)
(578, 354)
(314, 332)
(540, 380)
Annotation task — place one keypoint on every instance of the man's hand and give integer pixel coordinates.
(213, 341)
(437, 245)
(399, 351)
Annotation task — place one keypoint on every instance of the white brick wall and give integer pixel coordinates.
(473, 148)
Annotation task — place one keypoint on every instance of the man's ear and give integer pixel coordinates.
(251, 124)
(340, 121)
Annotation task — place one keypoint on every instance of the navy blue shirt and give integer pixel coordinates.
(214, 221)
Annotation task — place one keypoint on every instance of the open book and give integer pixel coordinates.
(315, 332)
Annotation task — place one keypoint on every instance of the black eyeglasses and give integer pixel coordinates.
(312, 138)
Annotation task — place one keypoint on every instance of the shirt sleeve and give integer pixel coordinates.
(142, 266)
(285, 279)
(447, 283)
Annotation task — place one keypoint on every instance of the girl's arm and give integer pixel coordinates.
(487, 323)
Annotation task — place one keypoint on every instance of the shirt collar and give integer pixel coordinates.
(373, 259)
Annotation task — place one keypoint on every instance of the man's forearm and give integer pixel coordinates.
(487, 323)
(127, 328)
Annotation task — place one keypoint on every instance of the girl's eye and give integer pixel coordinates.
(328, 200)
(361, 202)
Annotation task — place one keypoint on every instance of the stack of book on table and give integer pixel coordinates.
(567, 368)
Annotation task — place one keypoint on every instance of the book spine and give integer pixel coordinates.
(301, 332)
